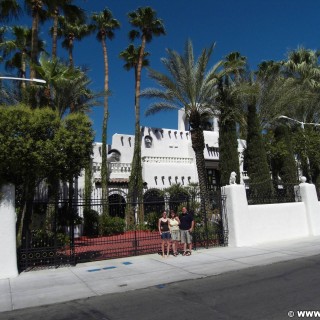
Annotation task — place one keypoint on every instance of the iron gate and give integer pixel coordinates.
(62, 234)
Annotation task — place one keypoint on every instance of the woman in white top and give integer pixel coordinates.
(175, 231)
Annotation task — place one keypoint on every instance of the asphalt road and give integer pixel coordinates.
(268, 292)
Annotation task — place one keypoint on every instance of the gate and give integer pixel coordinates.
(65, 234)
(48, 241)
(213, 230)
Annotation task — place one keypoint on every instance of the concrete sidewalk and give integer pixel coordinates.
(35, 288)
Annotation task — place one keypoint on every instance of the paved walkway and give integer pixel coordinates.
(35, 288)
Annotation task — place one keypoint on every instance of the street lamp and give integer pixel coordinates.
(24, 79)
(302, 124)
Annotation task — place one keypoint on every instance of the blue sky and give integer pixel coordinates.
(258, 29)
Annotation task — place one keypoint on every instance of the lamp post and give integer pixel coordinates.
(24, 79)
(302, 124)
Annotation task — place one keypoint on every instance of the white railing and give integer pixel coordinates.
(119, 167)
(167, 160)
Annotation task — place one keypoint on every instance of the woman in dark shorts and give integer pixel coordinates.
(163, 226)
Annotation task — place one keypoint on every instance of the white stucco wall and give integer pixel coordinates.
(274, 222)
(257, 224)
(8, 249)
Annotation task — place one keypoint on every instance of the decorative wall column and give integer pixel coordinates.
(8, 249)
(309, 198)
(238, 218)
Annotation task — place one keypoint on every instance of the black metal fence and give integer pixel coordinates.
(64, 233)
(272, 192)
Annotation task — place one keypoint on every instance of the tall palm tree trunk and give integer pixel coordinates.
(104, 166)
(55, 33)
(34, 44)
(136, 182)
(198, 146)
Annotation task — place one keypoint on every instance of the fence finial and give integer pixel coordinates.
(233, 177)
(303, 179)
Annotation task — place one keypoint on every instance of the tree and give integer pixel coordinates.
(71, 31)
(105, 24)
(36, 9)
(146, 25)
(231, 114)
(70, 11)
(190, 87)
(256, 157)
(9, 9)
(302, 69)
(283, 164)
(36, 144)
(17, 51)
(65, 87)
(131, 57)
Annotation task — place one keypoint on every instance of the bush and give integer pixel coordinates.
(43, 238)
(91, 222)
(111, 225)
(152, 220)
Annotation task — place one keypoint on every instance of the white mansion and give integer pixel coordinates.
(167, 157)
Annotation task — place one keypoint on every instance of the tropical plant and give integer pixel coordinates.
(230, 115)
(70, 11)
(146, 26)
(9, 9)
(67, 88)
(105, 24)
(36, 8)
(109, 226)
(17, 51)
(190, 87)
(71, 31)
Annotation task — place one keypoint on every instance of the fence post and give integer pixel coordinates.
(237, 211)
(309, 198)
(8, 247)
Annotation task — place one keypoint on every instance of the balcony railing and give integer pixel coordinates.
(119, 167)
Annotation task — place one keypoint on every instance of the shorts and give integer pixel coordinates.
(186, 236)
(175, 235)
(165, 235)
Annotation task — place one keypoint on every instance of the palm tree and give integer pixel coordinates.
(189, 86)
(9, 9)
(146, 26)
(71, 31)
(18, 49)
(301, 69)
(36, 9)
(131, 57)
(70, 11)
(70, 86)
(105, 25)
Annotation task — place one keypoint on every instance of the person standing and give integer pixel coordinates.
(174, 222)
(163, 226)
(186, 228)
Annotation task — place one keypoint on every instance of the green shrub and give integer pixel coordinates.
(138, 227)
(43, 238)
(152, 220)
(91, 222)
(111, 225)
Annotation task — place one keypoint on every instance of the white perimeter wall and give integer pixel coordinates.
(8, 249)
(257, 224)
